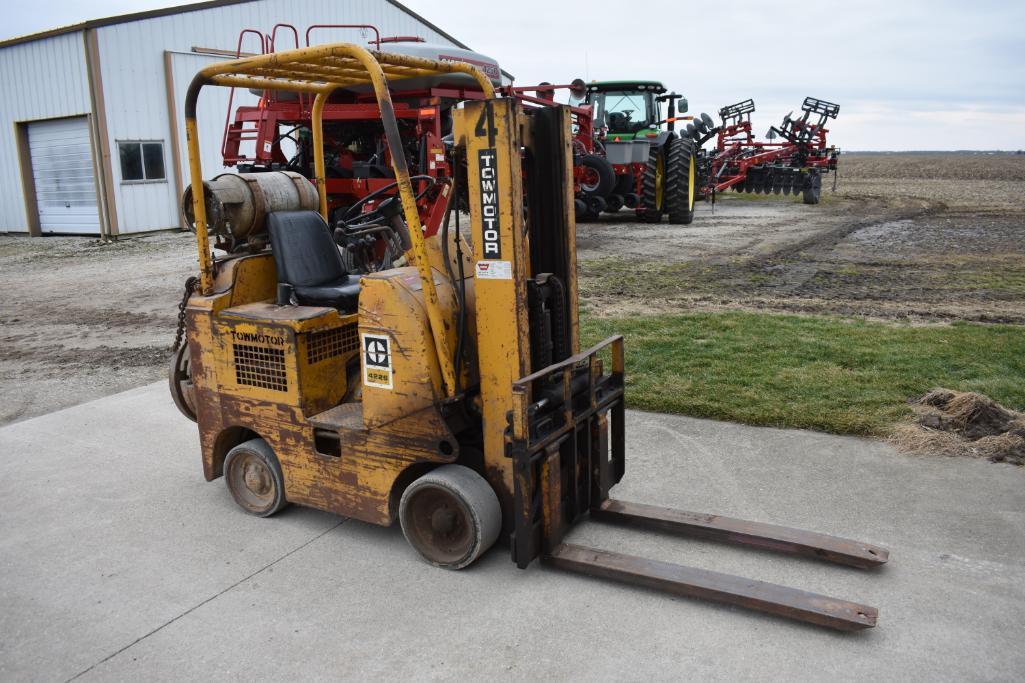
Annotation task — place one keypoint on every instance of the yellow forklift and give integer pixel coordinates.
(445, 388)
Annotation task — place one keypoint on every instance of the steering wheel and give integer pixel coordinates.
(357, 218)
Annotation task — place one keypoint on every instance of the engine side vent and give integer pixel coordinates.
(260, 366)
(331, 343)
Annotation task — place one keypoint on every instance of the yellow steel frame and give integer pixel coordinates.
(319, 71)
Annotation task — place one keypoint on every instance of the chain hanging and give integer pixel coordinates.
(190, 287)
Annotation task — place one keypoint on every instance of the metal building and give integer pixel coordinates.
(91, 137)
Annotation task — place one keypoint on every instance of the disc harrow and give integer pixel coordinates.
(791, 162)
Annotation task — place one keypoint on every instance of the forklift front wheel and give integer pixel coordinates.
(254, 478)
(451, 516)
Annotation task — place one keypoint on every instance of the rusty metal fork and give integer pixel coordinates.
(766, 597)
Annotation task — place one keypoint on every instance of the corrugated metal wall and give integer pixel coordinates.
(132, 63)
(57, 62)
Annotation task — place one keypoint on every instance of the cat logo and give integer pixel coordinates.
(377, 364)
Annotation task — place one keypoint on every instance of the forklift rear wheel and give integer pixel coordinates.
(179, 379)
(451, 516)
(253, 476)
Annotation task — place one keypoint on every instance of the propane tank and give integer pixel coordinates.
(237, 204)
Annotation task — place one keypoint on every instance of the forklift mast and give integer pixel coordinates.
(547, 407)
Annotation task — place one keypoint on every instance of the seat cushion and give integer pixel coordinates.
(304, 251)
(342, 294)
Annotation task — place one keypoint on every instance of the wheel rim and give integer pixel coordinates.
(690, 186)
(252, 482)
(440, 525)
(590, 180)
(660, 171)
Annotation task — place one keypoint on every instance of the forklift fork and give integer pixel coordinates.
(565, 462)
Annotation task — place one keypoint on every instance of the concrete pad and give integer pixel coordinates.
(118, 561)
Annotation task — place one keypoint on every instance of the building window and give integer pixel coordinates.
(141, 161)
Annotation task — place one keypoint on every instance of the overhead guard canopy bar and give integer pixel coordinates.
(319, 71)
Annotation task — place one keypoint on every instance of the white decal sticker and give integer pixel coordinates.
(377, 362)
(494, 270)
(266, 148)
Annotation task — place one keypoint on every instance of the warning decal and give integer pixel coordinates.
(494, 270)
(377, 362)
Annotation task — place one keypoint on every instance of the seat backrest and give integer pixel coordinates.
(304, 251)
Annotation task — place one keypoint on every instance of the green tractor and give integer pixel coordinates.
(655, 170)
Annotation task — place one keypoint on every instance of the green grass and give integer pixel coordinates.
(831, 374)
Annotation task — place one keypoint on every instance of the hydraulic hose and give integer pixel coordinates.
(461, 287)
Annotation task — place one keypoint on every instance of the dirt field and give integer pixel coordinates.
(923, 237)
(80, 320)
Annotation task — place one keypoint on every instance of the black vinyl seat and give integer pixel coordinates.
(307, 259)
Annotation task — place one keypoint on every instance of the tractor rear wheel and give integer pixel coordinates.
(652, 203)
(451, 516)
(253, 476)
(681, 186)
(813, 187)
(599, 178)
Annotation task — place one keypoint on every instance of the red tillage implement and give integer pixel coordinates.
(794, 165)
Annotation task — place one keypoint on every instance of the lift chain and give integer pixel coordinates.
(190, 287)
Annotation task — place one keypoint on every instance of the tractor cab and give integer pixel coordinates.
(630, 109)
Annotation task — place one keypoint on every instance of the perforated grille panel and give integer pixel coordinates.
(260, 366)
(331, 343)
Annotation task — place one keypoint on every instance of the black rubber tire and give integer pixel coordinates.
(179, 381)
(582, 213)
(613, 203)
(605, 174)
(681, 182)
(652, 203)
(451, 516)
(813, 187)
(253, 476)
(624, 184)
(595, 205)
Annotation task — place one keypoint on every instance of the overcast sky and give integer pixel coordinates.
(908, 74)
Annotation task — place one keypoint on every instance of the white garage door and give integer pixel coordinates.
(62, 166)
